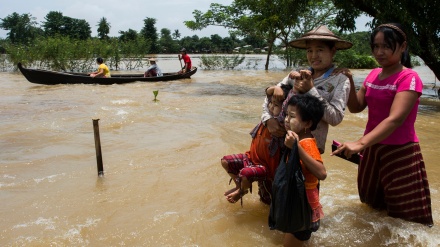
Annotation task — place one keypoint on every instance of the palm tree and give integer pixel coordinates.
(103, 28)
(176, 34)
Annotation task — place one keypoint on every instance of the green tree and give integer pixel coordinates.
(255, 41)
(103, 28)
(263, 18)
(54, 23)
(77, 28)
(176, 34)
(129, 35)
(57, 24)
(227, 45)
(166, 42)
(205, 45)
(420, 18)
(216, 43)
(22, 28)
(191, 44)
(361, 42)
(149, 33)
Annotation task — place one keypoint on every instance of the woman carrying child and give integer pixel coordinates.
(259, 162)
(331, 87)
(322, 80)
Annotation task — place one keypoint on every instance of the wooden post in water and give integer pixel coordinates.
(98, 148)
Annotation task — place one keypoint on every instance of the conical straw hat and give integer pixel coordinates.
(321, 33)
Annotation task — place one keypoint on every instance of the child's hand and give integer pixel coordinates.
(305, 83)
(290, 139)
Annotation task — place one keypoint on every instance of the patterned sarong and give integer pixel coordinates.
(393, 177)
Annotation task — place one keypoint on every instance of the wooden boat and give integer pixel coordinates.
(51, 77)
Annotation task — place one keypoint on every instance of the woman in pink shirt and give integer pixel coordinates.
(391, 174)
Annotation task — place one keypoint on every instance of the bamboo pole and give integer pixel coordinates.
(98, 148)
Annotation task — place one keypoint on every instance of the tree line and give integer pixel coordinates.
(286, 19)
(259, 24)
(23, 29)
(60, 42)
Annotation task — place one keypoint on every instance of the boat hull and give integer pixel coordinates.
(47, 77)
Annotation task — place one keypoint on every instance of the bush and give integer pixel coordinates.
(64, 53)
(348, 59)
(221, 62)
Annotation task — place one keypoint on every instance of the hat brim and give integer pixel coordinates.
(340, 44)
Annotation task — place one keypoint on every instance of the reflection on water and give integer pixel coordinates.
(163, 183)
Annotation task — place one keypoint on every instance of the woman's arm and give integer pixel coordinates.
(100, 71)
(402, 105)
(356, 101)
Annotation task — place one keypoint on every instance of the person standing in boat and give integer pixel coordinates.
(391, 174)
(153, 70)
(103, 70)
(186, 60)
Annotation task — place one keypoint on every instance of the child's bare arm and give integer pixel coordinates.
(315, 167)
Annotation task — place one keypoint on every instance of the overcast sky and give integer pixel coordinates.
(125, 14)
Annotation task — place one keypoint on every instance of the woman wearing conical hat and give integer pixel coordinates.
(332, 88)
(320, 80)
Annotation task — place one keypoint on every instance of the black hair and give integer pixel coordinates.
(286, 89)
(99, 60)
(309, 108)
(393, 37)
(330, 44)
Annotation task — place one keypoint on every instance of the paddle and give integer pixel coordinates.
(180, 60)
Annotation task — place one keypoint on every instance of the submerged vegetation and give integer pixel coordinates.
(67, 54)
(221, 62)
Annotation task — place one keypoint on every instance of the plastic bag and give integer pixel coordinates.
(290, 210)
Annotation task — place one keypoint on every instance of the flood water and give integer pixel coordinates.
(163, 183)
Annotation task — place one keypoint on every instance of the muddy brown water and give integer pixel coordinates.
(163, 183)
